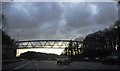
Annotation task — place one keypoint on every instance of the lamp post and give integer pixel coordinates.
(18, 35)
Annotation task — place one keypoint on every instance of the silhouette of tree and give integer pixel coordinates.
(37, 55)
(4, 23)
(102, 43)
(8, 44)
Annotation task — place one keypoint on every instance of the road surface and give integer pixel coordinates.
(37, 65)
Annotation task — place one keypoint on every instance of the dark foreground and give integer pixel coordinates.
(37, 65)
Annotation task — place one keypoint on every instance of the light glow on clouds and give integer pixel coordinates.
(93, 9)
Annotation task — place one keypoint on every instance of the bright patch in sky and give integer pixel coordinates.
(93, 9)
(44, 50)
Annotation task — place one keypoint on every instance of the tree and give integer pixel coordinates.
(4, 23)
(102, 43)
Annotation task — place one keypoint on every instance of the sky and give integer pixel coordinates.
(54, 19)
(43, 50)
(57, 20)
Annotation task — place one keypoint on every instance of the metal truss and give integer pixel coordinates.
(48, 44)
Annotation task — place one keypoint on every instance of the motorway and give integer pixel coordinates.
(36, 65)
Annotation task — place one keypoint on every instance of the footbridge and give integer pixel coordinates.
(48, 44)
(71, 47)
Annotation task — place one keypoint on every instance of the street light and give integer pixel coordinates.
(18, 35)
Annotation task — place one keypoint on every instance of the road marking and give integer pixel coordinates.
(20, 66)
(36, 66)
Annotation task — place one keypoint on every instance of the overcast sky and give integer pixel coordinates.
(57, 20)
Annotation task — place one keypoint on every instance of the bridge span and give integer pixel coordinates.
(69, 47)
(48, 44)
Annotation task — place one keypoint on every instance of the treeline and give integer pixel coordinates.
(6, 39)
(103, 43)
(8, 45)
(31, 55)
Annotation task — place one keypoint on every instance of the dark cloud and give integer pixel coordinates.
(107, 13)
(57, 20)
(78, 15)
